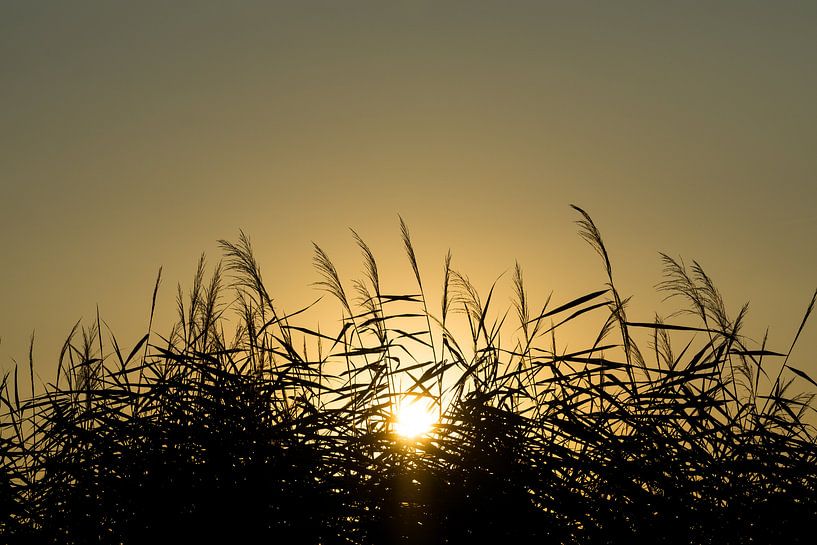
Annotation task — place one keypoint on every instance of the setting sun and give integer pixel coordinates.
(414, 417)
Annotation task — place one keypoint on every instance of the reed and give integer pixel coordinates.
(245, 424)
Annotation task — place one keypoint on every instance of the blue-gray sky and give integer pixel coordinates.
(136, 134)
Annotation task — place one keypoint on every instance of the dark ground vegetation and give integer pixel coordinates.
(277, 433)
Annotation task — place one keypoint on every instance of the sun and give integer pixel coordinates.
(414, 417)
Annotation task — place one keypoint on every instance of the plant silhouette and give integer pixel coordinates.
(652, 432)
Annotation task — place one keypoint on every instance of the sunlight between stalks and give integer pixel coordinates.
(414, 417)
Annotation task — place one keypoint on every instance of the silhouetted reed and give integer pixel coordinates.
(652, 432)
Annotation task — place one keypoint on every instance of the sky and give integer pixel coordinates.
(134, 135)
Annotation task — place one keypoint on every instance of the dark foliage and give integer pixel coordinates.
(284, 434)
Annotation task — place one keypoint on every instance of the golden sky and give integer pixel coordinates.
(134, 135)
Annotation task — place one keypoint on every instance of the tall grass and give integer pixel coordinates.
(245, 424)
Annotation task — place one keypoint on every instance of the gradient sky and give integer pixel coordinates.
(134, 135)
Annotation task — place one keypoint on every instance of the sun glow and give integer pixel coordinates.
(414, 417)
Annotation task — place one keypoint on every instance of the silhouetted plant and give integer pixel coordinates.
(278, 432)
